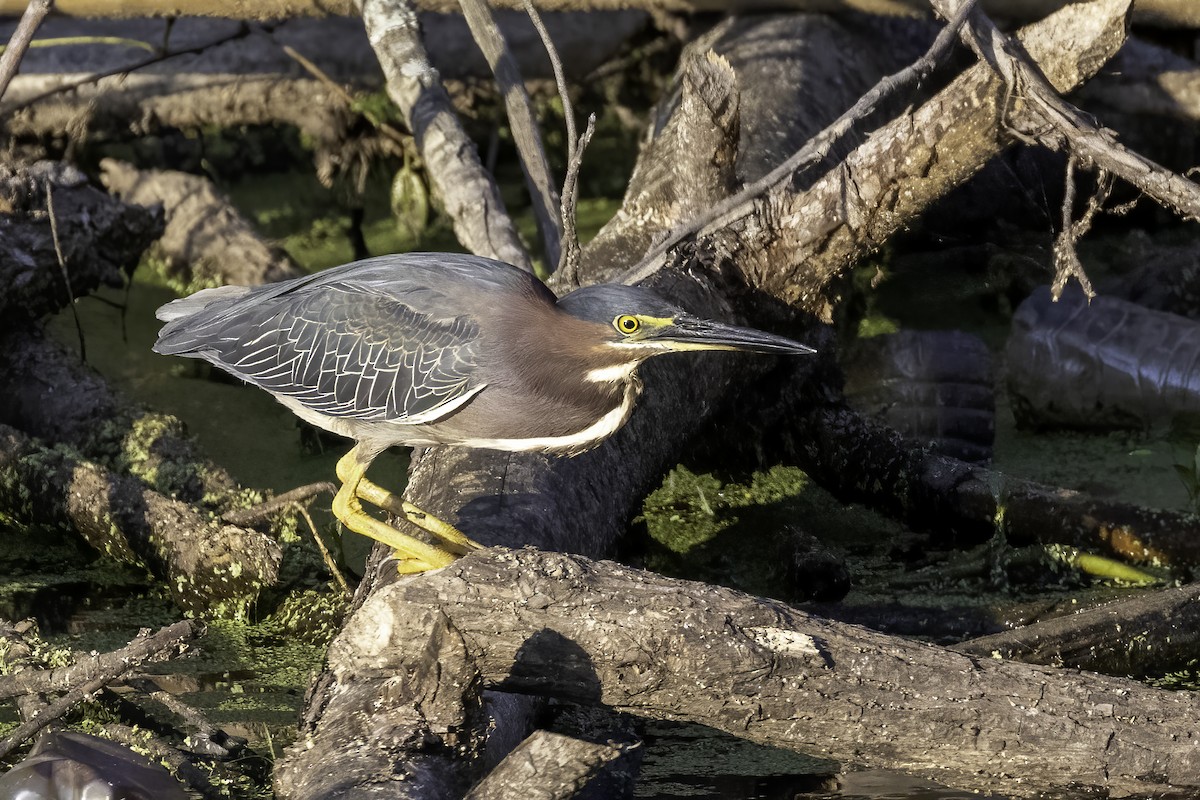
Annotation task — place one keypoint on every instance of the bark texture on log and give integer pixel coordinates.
(423, 699)
(210, 569)
(207, 242)
(598, 632)
(101, 240)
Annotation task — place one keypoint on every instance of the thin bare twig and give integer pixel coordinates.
(571, 259)
(560, 76)
(62, 266)
(1066, 256)
(814, 150)
(1087, 140)
(569, 256)
(325, 554)
(248, 516)
(35, 12)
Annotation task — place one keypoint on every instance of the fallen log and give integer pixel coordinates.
(47, 392)
(546, 766)
(598, 632)
(206, 242)
(227, 75)
(1154, 633)
(868, 463)
(210, 569)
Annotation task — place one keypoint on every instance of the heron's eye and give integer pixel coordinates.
(627, 324)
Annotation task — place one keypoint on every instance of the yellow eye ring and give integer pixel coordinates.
(627, 324)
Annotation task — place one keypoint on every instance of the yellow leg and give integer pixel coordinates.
(379, 497)
(415, 555)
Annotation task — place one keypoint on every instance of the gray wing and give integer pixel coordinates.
(340, 351)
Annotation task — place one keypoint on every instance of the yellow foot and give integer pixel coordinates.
(453, 539)
(414, 555)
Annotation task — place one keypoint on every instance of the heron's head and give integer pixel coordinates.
(638, 324)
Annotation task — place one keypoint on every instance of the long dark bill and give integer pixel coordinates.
(691, 333)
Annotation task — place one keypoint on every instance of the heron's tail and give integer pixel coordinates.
(187, 306)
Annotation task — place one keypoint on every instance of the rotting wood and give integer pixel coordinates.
(599, 632)
(206, 242)
(210, 569)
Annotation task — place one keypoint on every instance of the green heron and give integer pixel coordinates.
(441, 349)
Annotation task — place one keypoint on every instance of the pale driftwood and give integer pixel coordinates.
(469, 195)
(224, 75)
(546, 766)
(210, 569)
(1167, 13)
(207, 242)
(1154, 633)
(599, 632)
